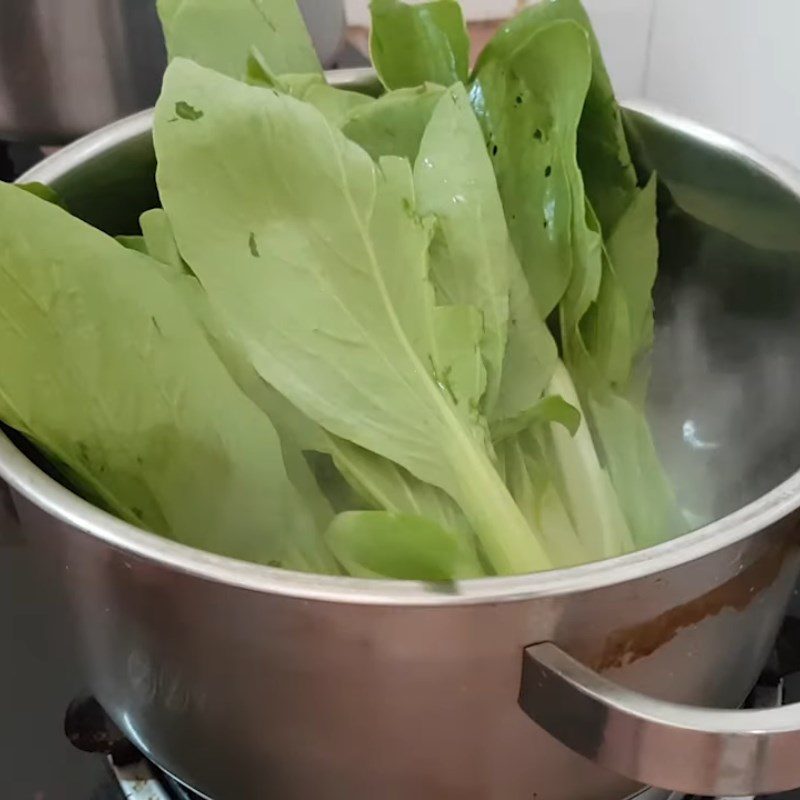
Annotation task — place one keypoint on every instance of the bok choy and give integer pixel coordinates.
(401, 336)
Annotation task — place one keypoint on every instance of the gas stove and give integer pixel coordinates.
(36, 763)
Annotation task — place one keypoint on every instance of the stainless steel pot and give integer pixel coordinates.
(248, 682)
(68, 67)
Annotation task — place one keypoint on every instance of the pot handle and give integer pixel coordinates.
(680, 748)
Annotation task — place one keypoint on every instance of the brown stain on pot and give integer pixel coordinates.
(629, 645)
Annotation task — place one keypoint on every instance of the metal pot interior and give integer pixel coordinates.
(725, 371)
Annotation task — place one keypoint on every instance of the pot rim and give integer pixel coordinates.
(46, 493)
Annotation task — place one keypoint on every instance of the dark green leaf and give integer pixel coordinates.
(529, 93)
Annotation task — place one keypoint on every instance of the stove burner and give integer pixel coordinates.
(89, 728)
(141, 782)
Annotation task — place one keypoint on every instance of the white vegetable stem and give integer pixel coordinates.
(590, 498)
(507, 540)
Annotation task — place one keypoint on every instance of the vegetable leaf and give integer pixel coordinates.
(379, 481)
(549, 409)
(106, 370)
(336, 104)
(472, 256)
(589, 495)
(219, 34)
(43, 192)
(529, 92)
(378, 544)
(603, 151)
(338, 312)
(160, 241)
(395, 123)
(645, 494)
(535, 491)
(633, 250)
(295, 431)
(412, 44)
(135, 243)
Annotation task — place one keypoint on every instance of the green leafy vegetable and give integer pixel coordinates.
(402, 336)
(380, 482)
(44, 192)
(414, 44)
(294, 430)
(529, 93)
(472, 256)
(342, 322)
(603, 151)
(395, 123)
(136, 243)
(604, 290)
(219, 35)
(378, 544)
(633, 250)
(160, 241)
(107, 372)
(552, 408)
(336, 104)
(523, 464)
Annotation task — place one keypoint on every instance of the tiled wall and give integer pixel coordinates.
(624, 29)
(733, 64)
(626, 54)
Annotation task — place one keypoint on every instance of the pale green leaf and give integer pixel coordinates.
(549, 409)
(584, 484)
(220, 35)
(414, 44)
(106, 369)
(458, 366)
(535, 492)
(633, 250)
(385, 485)
(531, 354)
(327, 288)
(336, 104)
(296, 432)
(167, 10)
(472, 255)
(135, 243)
(589, 260)
(43, 192)
(395, 123)
(379, 544)
(379, 481)
(606, 330)
(645, 493)
(160, 241)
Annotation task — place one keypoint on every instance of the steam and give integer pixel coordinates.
(724, 400)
